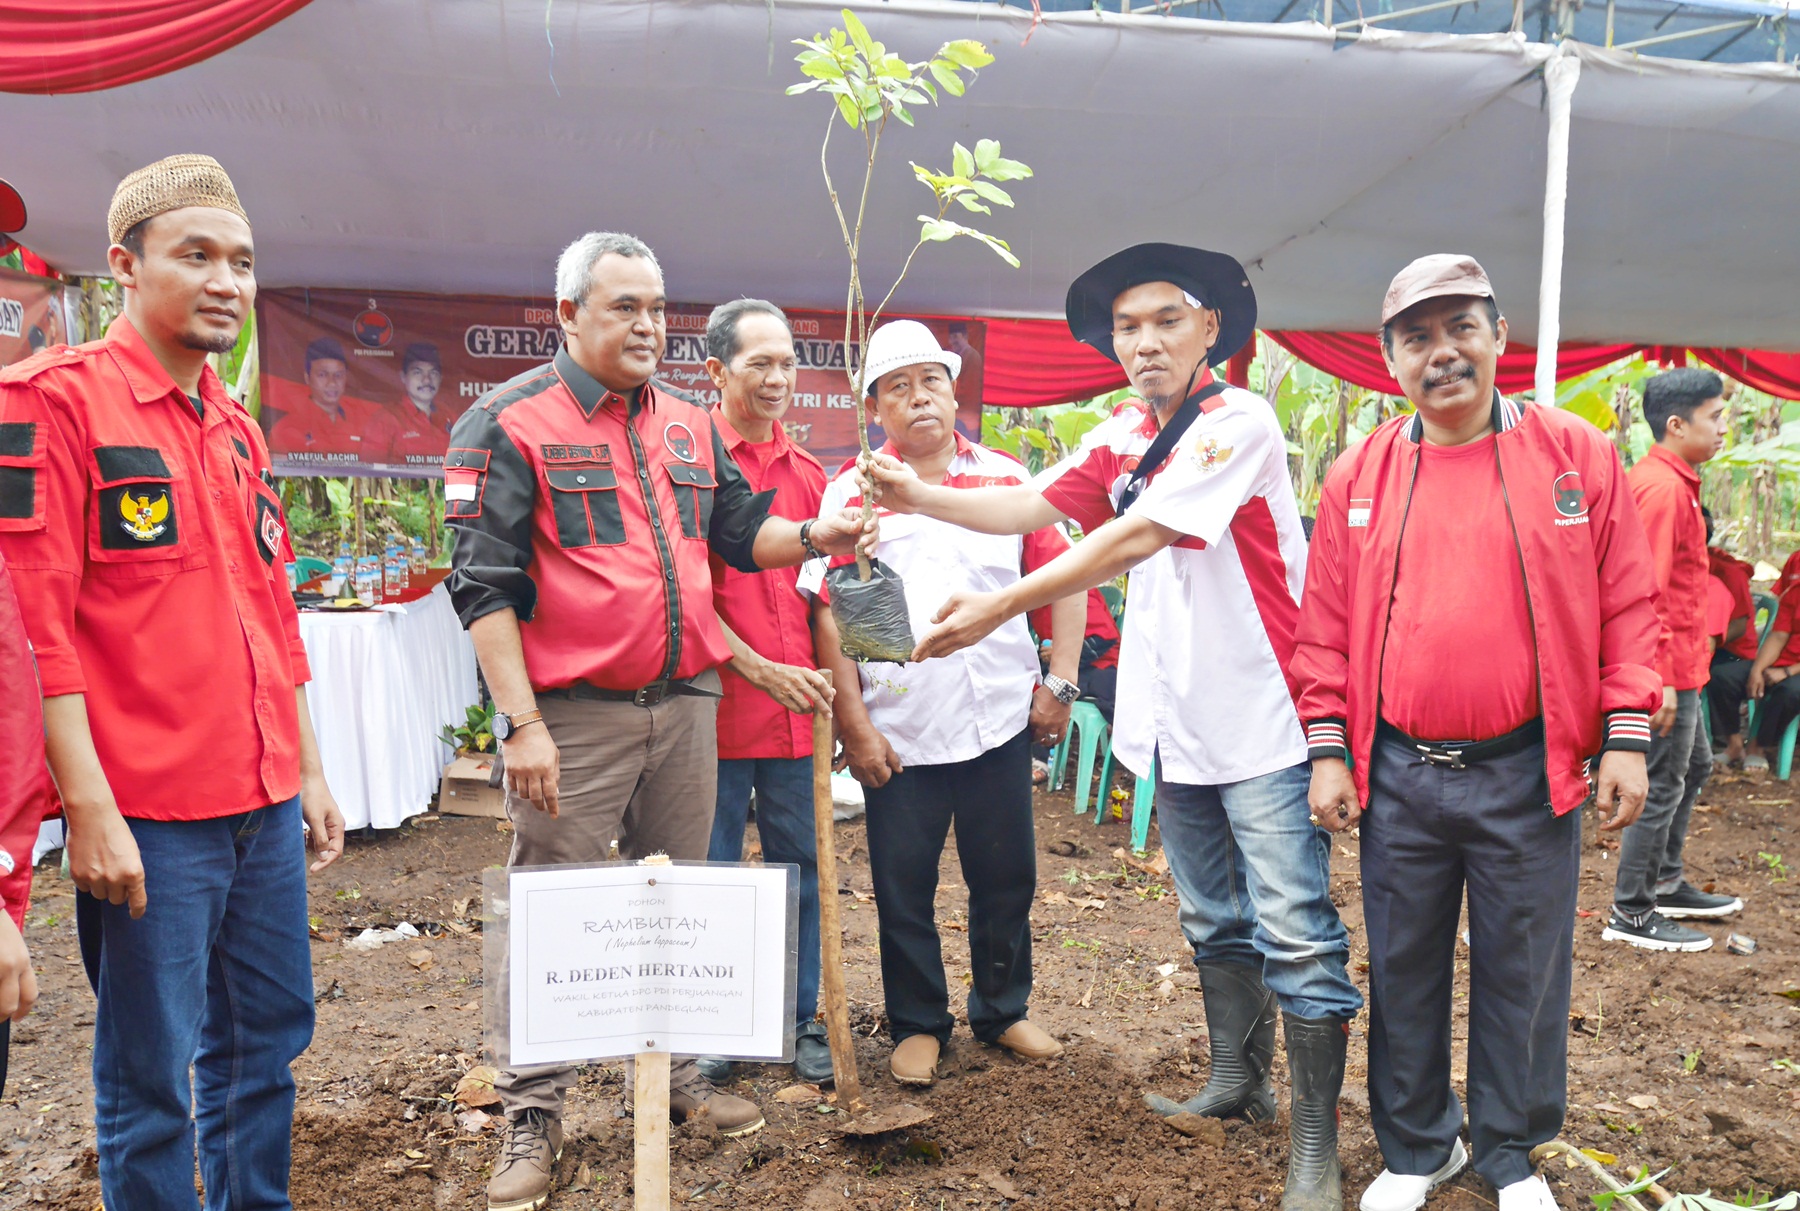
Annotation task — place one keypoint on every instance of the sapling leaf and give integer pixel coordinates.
(851, 113)
(966, 52)
(859, 34)
(961, 162)
(795, 90)
(986, 152)
(1007, 170)
(969, 201)
(992, 193)
(945, 71)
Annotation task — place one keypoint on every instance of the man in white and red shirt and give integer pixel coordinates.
(1208, 526)
(948, 742)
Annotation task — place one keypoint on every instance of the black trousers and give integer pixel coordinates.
(988, 798)
(1726, 689)
(1429, 834)
(1780, 703)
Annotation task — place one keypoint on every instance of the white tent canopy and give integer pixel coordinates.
(405, 144)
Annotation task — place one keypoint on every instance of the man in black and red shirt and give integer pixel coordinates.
(586, 501)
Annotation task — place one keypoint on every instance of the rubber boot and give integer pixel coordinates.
(1240, 1020)
(1315, 1048)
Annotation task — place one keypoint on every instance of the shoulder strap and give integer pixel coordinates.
(1164, 444)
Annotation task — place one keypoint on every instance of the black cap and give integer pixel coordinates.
(1214, 278)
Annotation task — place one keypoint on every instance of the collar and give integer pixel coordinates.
(1676, 462)
(590, 395)
(1150, 426)
(963, 447)
(148, 378)
(780, 445)
(1505, 415)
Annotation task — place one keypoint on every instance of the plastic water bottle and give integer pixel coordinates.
(419, 559)
(368, 579)
(342, 571)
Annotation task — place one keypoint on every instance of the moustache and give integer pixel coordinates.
(1450, 374)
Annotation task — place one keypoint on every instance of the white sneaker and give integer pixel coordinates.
(1529, 1195)
(1407, 1192)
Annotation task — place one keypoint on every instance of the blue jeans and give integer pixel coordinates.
(784, 820)
(217, 974)
(1254, 876)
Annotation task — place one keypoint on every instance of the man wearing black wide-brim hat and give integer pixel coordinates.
(1192, 496)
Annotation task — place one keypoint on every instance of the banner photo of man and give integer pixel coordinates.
(34, 316)
(355, 383)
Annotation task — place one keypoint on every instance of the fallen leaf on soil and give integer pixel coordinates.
(1089, 903)
(420, 959)
(1608, 1108)
(1792, 994)
(413, 1154)
(1643, 1101)
(584, 1177)
(1199, 1126)
(461, 907)
(794, 1094)
(1087, 998)
(474, 1122)
(1056, 897)
(477, 1087)
(1605, 1158)
(999, 1185)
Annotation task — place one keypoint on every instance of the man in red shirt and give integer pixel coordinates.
(1729, 675)
(149, 552)
(771, 685)
(1772, 680)
(331, 426)
(414, 431)
(1477, 628)
(1686, 413)
(586, 500)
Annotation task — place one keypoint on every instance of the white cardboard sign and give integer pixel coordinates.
(615, 959)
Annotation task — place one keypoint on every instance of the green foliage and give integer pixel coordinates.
(476, 734)
(1604, 1200)
(1042, 437)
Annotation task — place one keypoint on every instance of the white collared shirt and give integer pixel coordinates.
(956, 707)
(1209, 621)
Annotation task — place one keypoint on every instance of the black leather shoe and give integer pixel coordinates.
(714, 1069)
(812, 1054)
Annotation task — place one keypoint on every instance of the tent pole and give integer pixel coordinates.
(1560, 75)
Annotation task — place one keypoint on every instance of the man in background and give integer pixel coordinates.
(771, 686)
(1728, 682)
(330, 422)
(1686, 412)
(414, 430)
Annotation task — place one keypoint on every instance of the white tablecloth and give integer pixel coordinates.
(384, 684)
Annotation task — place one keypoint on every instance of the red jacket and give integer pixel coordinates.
(24, 782)
(1589, 587)
(1667, 491)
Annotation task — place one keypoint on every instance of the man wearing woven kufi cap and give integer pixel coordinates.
(1477, 639)
(149, 548)
(1192, 496)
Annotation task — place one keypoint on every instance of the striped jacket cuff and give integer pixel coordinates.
(1327, 738)
(1627, 732)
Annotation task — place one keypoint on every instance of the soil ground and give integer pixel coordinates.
(1684, 1060)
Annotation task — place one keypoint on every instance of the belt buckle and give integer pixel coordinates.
(1448, 760)
(651, 694)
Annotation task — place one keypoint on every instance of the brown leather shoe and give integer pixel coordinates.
(1029, 1042)
(733, 1116)
(522, 1174)
(915, 1060)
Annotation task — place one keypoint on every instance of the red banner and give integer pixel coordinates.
(359, 383)
(34, 315)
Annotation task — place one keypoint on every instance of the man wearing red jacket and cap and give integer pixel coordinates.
(1477, 626)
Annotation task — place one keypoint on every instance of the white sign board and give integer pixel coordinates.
(620, 958)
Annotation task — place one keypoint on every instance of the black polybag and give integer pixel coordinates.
(871, 615)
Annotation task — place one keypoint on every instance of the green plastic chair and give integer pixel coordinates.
(1142, 803)
(1115, 601)
(1087, 723)
(307, 567)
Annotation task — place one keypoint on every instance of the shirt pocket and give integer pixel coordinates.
(694, 487)
(142, 511)
(584, 501)
(21, 477)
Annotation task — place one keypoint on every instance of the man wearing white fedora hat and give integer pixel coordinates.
(949, 742)
(1193, 497)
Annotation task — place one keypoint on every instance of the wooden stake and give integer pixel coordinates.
(650, 1116)
(650, 1121)
(831, 932)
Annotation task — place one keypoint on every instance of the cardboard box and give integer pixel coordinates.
(465, 790)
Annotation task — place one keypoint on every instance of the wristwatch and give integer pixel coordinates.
(506, 725)
(1066, 691)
